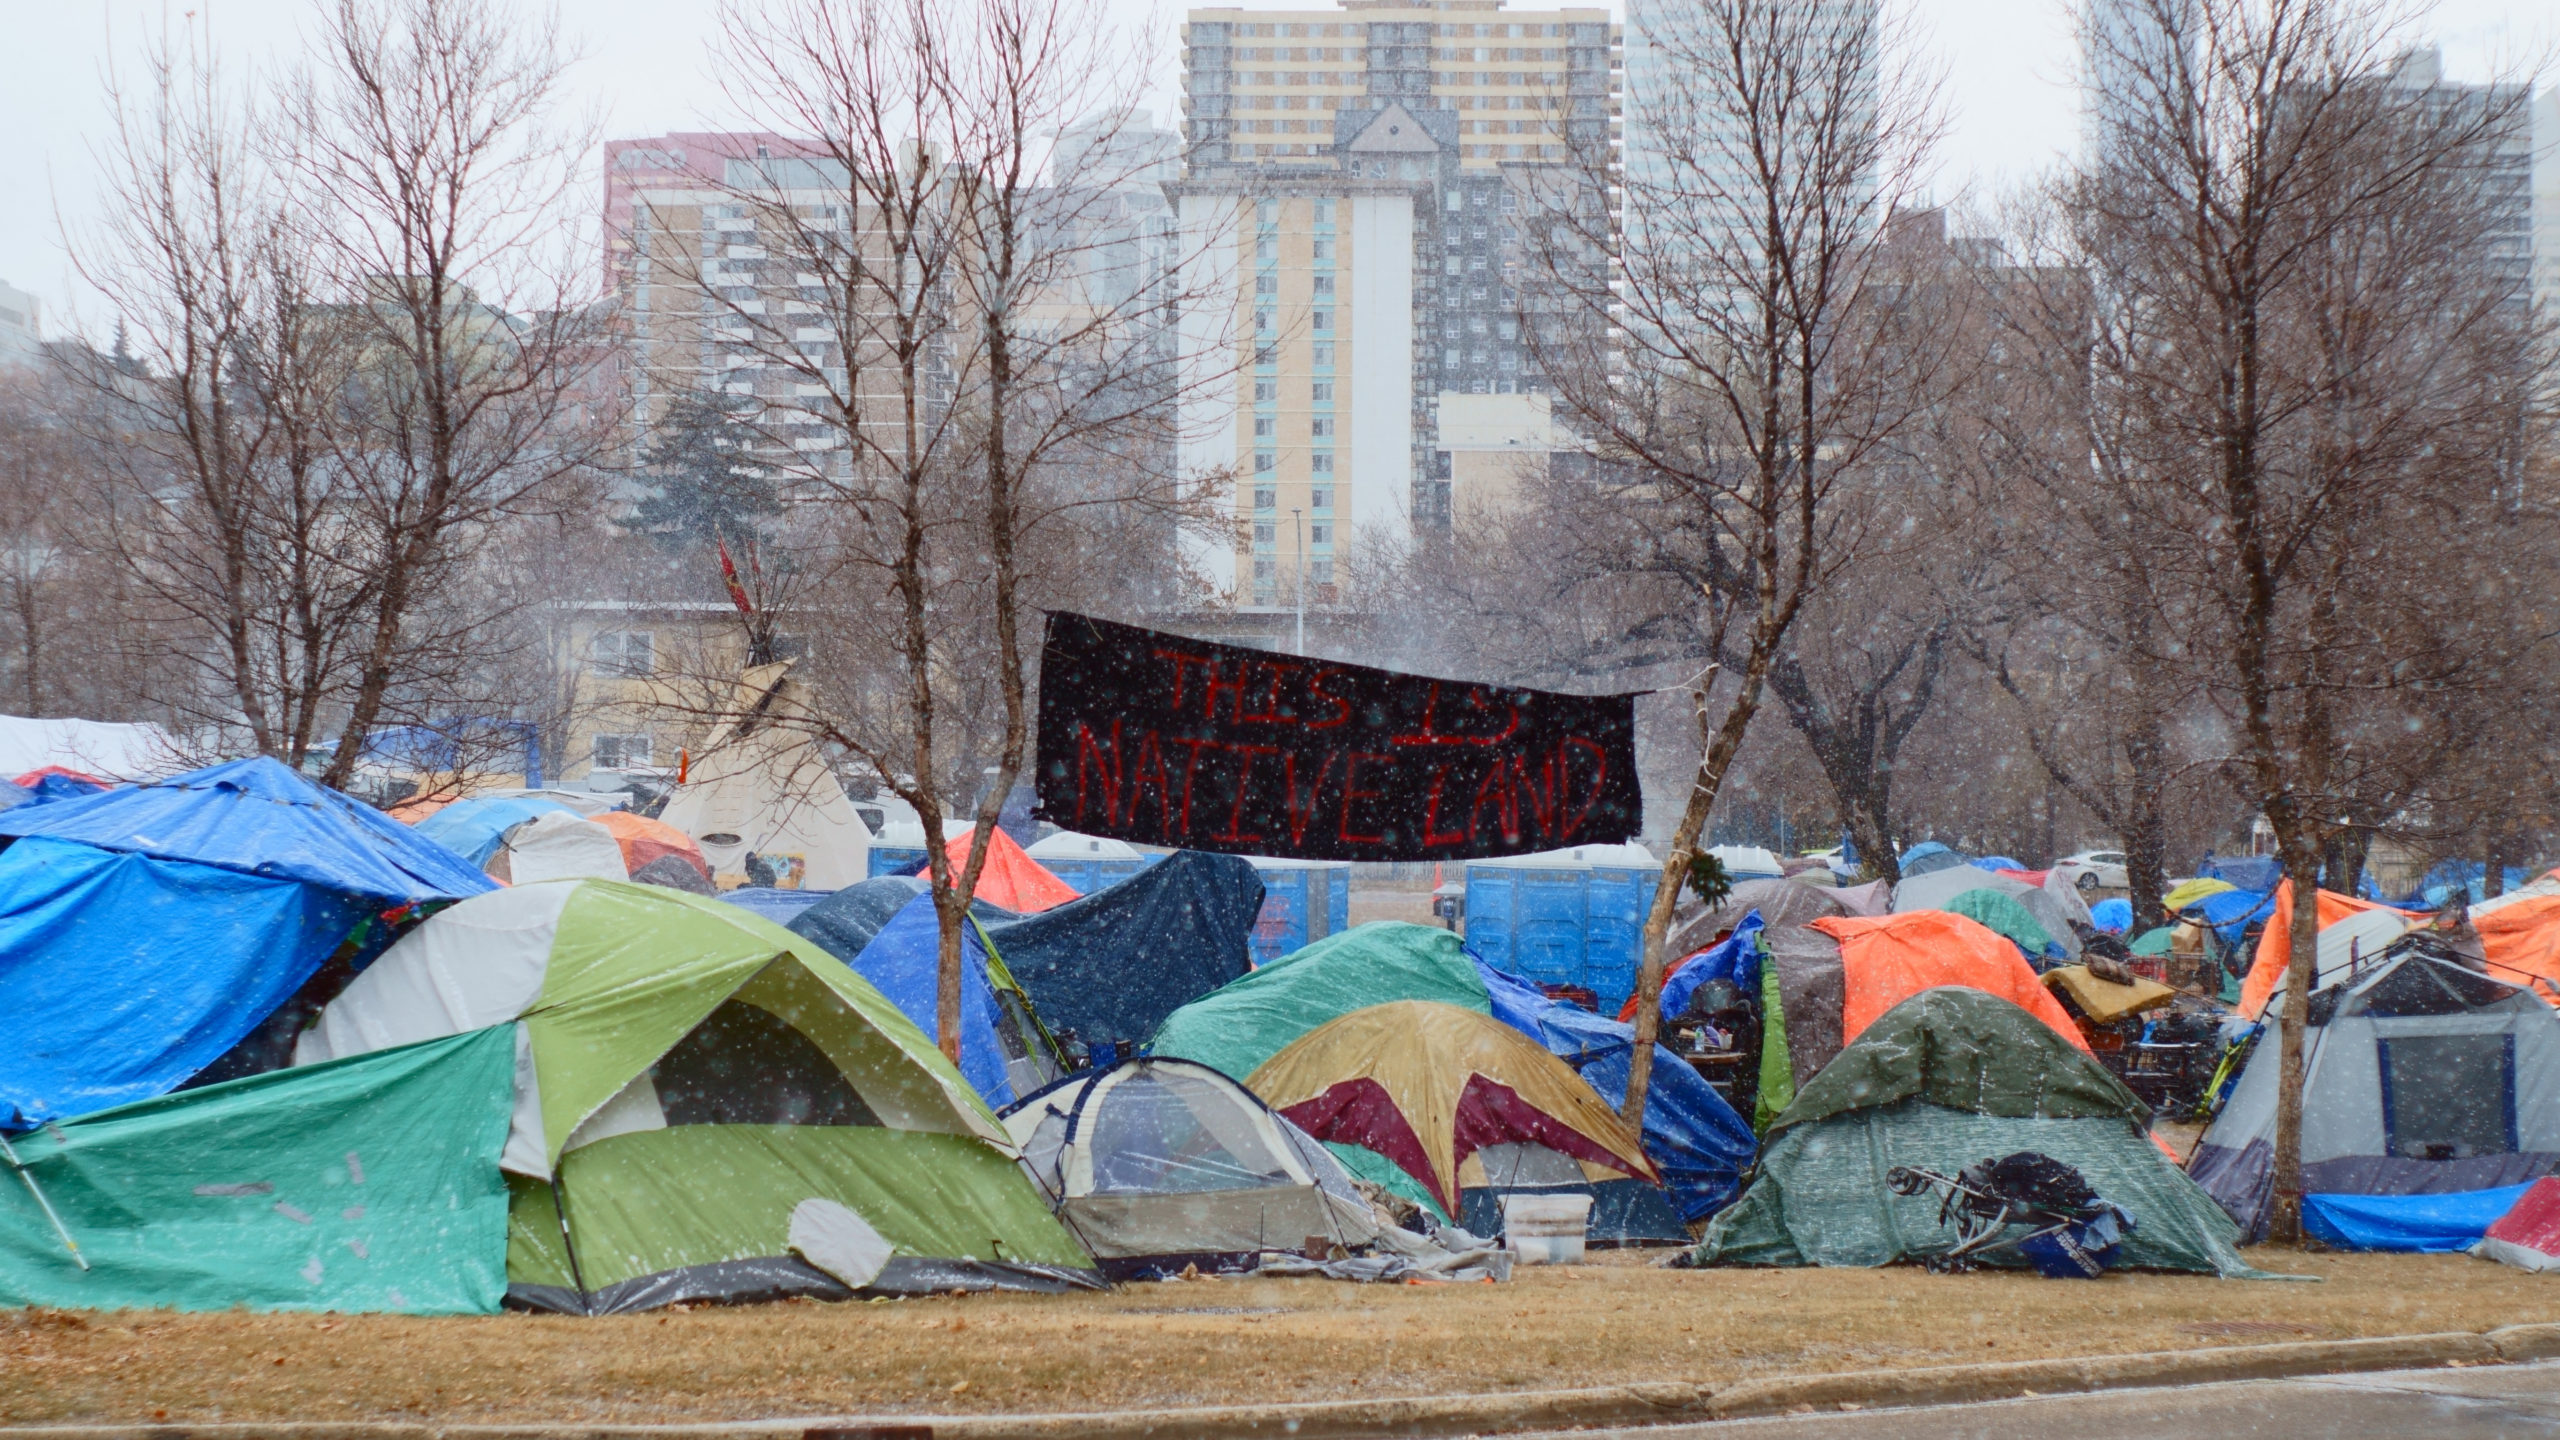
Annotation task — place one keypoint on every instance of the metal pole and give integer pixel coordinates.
(1298, 529)
(10, 1151)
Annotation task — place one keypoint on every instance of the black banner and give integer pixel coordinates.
(1162, 740)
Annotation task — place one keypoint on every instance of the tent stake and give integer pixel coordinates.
(37, 1191)
(560, 1204)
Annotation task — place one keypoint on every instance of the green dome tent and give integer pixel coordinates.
(706, 1106)
(1999, 912)
(1947, 1078)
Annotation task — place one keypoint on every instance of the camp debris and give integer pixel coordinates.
(1946, 1078)
(1161, 1165)
(2071, 1232)
(706, 1106)
(166, 932)
(2423, 1081)
(1442, 1091)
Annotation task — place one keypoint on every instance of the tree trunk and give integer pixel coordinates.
(2284, 1226)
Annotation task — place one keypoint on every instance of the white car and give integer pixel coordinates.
(2095, 869)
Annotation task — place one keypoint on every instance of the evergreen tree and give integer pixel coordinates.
(699, 481)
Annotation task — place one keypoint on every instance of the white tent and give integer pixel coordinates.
(557, 845)
(761, 788)
(92, 747)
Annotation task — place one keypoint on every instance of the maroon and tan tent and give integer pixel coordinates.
(1428, 1085)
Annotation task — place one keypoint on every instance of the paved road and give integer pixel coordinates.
(2494, 1401)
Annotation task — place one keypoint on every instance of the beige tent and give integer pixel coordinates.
(761, 788)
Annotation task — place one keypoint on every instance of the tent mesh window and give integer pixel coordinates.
(1162, 1133)
(2449, 1097)
(746, 1066)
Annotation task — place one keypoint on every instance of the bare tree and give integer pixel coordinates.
(943, 382)
(1757, 363)
(2318, 353)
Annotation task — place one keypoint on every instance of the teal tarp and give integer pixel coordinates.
(363, 1184)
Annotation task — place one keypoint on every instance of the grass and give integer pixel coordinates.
(1197, 1342)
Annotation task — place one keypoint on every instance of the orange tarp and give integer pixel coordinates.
(644, 840)
(2266, 972)
(1011, 877)
(2522, 941)
(1888, 959)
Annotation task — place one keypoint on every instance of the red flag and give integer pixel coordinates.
(737, 592)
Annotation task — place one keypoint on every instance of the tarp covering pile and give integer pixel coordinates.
(2420, 1079)
(1692, 1135)
(150, 930)
(1112, 965)
(1429, 1085)
(706, 1106)
(1004, 1052)
(364, 1184)
(1160, 1164)
(1947, 1078)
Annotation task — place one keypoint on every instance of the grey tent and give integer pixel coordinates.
(1782, 904)
(1158, 1164)
(2420, 1077)
(1933, 890)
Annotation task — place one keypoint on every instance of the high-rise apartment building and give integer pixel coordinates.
(2546, 197)
(1356, 215)
(21, 334)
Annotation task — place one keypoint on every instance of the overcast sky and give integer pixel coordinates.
(2008, 66)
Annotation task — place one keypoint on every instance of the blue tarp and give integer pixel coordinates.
(258, 817)
(473, 829)
(1997, 862)
(2233, 911)
(1694, 1137)
(2113, 916)
(122, 975)
(57, 786)
(1928, 857)
(2249, 872)
(1736, 958)
(904, 962)
(779, 906)
(844, 922)
(2430, 1224)
(1112, 965)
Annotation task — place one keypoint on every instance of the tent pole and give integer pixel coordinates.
(560, 1204)
(11, 1151)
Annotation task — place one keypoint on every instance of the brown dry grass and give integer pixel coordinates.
(1201, 1342)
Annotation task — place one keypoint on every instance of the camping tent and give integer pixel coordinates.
(1432, 1086)
(1112, 965)
(2527, 1236)
(2188, 892)
(1748, 862)
(1936, 890)
(1692, 1135)
(760, 788)
(2009, 918)
(1928, 858)
(2420, 1078)
(1009, 877)
(1779, 903)
(705, 1106)
(643, 840)
(558, 845)
(1004, 1051)
(1947, 1078)
(1160, 1164)
(369, 1183)
(476, 829)
(157, 932)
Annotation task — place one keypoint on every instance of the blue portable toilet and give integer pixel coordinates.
(1090, 862)
(1565, 917)
(1303, 901)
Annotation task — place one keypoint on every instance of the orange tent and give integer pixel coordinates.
(2266, 972)
(1011, 878)
(1887, 959)
(2522, 942)
(644, 840)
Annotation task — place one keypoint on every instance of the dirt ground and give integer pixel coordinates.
(1198, 1342)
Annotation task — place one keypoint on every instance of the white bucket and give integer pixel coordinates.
(1546, 1229)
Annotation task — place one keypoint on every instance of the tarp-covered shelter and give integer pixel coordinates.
(852, 917)
(2247, 872)
(1929, 857)
(1431, 1086)
(369, 1183)
(476, 829)
(1112, 965)
(1947, 1078)
(149, 932)
(761, 789)
(2188, 892)
(2420, 1078)
(1009, 877)
(1779, 904)
(644, 840)
(706, 1106)
(1004, 1050)
(2527, 1235)
(1161, 1164)
(1693, 1136)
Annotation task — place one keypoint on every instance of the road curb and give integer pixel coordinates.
(1612, 1405)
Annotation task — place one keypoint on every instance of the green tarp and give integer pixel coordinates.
(1949, 1078)
(1247, 1021)
(363, 1184)
(1997, 911)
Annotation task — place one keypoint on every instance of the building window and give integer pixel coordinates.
(1321, 392)
(1266, 533)
(1324, 285)
(619, 752)
(1319, 572)
(1324, 352)
(1264, 462)
(1265, 391)
(1324, 212)
(1265, 568)
(1321, 428)
(625, 652)
(1322, 496)
(1264, 426)
(1324, 250)
(1266, 212)
(1262, 322)
(1266, 284)
(1319, 534)
(1321, 462)
(1324, 319)
(1266, 497)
